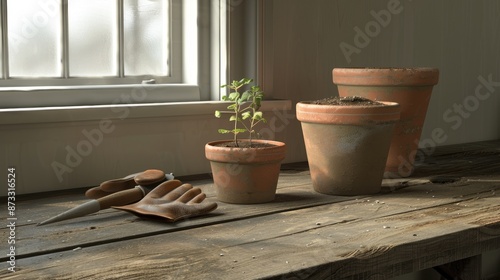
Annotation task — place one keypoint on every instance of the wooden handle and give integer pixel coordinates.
(121, 198)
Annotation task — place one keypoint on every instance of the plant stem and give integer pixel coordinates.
(252, 122)
(251, 127)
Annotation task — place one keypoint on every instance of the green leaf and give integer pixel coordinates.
(232, 107)
(238, 130)
(257, 103)
(257, 116)
(235, 84)
(224, 98)
(234, 118)
(224, 131)
(217, 114)
(246, 115)
(246, 95)
(245, 81)
(234, 96)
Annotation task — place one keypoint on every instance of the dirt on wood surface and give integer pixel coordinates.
(347, 101)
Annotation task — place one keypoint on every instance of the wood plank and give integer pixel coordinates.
(104, 223)
(108, 225)
(47, 206)
(338, 240)
(472, 159)
(463, 149)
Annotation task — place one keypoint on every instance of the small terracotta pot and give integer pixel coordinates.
(245, 175)
(411, 88)
(347, 146)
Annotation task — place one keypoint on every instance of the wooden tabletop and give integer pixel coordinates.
(449, 210)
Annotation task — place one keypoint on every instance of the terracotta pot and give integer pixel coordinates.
(411, 88)
(347, 146)
(245, 175)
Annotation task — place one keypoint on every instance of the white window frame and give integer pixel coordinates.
(119, 77)
(184, 84)
(201, 83)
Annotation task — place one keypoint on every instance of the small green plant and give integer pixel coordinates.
(244, 109)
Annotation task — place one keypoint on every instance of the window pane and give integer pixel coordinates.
(146, 34)
(92, 28)
(34, 38)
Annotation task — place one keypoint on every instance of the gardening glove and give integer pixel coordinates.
(171, 200)
(149, 178)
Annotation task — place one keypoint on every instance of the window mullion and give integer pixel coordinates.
(120, 25)
(65, 40)
(5, 41)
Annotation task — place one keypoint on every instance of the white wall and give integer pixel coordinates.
(67, 148)
(461, 38)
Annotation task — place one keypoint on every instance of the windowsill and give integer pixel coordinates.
(95, 95)
(121, 111)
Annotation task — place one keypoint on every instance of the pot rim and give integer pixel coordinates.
(387, 113)
(386, 76)
(265, 141)
(276, 153)
(391, 68)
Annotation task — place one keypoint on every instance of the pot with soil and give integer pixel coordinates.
(245, 174)
(347, 142)
(245, 171)
(411, 88)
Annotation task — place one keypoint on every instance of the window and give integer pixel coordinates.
(87, 39)
(54, 51)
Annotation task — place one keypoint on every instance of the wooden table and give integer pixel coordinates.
(448, 212)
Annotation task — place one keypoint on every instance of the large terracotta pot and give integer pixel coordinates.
(347, 146)
(245, 175)
(411, 88)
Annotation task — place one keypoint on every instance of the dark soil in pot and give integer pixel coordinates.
(347, 101)
(245, 144)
